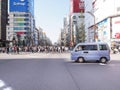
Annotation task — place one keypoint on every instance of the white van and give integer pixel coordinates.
(91, 51)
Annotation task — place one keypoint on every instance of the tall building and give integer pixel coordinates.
(64, 32)
(3, 19)
(76, 19)
(21, 22)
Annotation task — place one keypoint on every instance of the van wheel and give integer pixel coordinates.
(80, 60)
(103, 60)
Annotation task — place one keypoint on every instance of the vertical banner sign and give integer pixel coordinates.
(77, 6)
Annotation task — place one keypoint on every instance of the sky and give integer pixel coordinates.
(49, 15)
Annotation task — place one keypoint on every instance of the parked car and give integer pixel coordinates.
(91, 51)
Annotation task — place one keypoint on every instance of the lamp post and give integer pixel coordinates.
(94, 26)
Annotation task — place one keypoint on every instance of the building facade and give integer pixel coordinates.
(3, 19)
(89, 21)
(21, 22)
(105, 16)
(76, 20)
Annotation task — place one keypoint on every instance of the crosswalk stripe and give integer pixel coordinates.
(7, 88)
(2, 84)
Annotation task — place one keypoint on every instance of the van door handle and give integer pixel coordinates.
(85, 52)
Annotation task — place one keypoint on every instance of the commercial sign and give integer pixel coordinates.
(104, 30)
(77, 6)
(116, 27)
(18, 5)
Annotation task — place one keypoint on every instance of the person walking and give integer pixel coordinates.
(17, 49)
(7, 49)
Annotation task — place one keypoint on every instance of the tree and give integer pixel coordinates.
(80, 33)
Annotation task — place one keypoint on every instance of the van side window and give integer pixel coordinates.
(103, 47)
(89, 47)
(93, 47)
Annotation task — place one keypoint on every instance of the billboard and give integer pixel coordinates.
(77, 6)
(104, 31)
(18, 5)
(116, 27)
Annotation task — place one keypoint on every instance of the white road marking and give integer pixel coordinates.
(7, 88)
(2, 84)
(102, 64)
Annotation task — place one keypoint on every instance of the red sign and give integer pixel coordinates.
(77, 6)
(19, 33)
(117, 35)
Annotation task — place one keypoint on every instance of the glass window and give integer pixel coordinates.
(19, 24)
(18, 19)
(89, 47)
(26, 19)
(79, 48)
(93, 47)
(86, 47)
(26, 24)
(10, 28)
(103, 47)
(26, 28)
(26, 15)
(18, 28)
(21, 15)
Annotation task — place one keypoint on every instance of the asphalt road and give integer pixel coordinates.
(58, 74)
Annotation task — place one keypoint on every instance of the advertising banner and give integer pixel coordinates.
(104, 31)
(18, 5)
(77, 6)
(116, 28)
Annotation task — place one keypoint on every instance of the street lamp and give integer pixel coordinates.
(93, 24)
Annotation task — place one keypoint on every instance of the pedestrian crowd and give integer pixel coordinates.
(115, 48)
(33, 49)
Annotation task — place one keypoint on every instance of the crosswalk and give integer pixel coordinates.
(49, 55)
(45, 55)
(34, 55)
